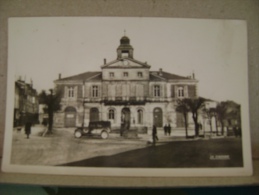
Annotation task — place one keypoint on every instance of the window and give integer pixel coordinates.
(180, 92)
(125, 54)
(140, 74)
(111, 114)
(71, 92)
(125, 74)
(140, 116)
(111, 74)
(95, 91)
(157, 92)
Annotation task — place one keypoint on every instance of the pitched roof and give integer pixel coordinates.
(97, 76)
(161, 75)
(84, 76)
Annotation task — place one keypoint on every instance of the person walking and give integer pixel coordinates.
(154, 135)
(28, 129)
(169, 129)
(165, 129)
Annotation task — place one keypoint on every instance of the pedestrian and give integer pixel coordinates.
(169, 129)
(200, 126)
(154, 135)
(28, 129)
(165, 129)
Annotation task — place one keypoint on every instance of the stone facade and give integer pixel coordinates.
(25, 103)
(125, 92)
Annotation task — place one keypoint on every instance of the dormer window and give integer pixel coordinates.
(140, 74)
(111, 74)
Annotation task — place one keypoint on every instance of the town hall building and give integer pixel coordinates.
(125, 92)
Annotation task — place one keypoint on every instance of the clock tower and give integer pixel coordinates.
(125, 50)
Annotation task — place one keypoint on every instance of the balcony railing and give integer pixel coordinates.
(121, 100)
(124, 100)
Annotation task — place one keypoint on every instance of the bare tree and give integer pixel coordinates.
(194, 104)
(228, 110)
(221, 111)
(52, 102)
(183, 108)
(210, 113)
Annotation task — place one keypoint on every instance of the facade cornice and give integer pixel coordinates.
(183, 81)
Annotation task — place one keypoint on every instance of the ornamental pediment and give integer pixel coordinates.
(126, 63)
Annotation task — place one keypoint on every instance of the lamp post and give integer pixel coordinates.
(83, 94)
(83, 123)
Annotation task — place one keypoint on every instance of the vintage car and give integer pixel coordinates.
(99, 128)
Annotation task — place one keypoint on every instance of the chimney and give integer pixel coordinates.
(104, 60)
(193, 75)
(59, 76)
(160, 72)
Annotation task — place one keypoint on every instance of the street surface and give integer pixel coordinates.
(61, 148)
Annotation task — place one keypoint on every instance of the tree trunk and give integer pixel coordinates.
(222, 129)
(50, 122)
(185, 123)
(195, 120)
(216, 123)
(210, 126)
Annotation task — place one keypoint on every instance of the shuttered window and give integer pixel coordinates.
(157, 91)
(180, 92)
(172, 91)
(192, 91)
(95, 91)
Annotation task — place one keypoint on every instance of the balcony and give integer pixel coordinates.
(124, 100)
(92, 99)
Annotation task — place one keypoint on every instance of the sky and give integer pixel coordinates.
(39, 48)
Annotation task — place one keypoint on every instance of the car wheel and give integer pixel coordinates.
(78, 134)
(104, 135)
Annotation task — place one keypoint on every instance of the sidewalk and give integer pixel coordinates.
(36, 130)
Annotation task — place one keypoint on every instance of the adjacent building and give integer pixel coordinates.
(25, 103)
(126, 92)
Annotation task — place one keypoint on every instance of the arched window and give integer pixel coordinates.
(94, 114)
(158, 117)
(140, 116)
(111, 114)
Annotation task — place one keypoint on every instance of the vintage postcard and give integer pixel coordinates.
(117, 96)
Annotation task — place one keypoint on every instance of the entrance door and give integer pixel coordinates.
(125, 118)
(180, 120)
(94, 114)
(158, 117)
(70, 117)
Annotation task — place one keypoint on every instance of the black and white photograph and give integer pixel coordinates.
(127, 96)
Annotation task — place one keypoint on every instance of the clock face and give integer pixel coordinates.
(125, 62)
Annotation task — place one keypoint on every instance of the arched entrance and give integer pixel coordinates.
(158, 117)
(70, 117)
(125, 118)
(94, 114)
(180, 121)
